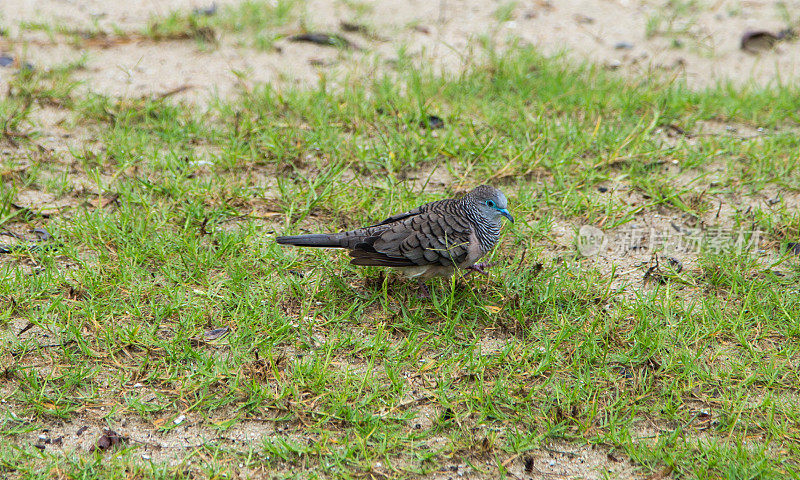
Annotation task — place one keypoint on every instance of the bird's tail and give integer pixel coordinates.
(315, 240)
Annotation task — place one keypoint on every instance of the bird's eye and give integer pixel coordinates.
(490, 203)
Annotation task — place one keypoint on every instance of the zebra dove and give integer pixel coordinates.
(429, 241)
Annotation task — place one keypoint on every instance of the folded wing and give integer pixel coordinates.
(428, 237)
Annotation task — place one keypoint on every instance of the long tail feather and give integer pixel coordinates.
(315, 240)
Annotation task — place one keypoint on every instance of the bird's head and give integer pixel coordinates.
(491, 202)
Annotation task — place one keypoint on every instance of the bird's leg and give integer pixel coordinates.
(423, 290)
(480, 268)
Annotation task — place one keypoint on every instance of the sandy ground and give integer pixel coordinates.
(699, 43)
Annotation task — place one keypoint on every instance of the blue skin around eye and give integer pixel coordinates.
(503, 211)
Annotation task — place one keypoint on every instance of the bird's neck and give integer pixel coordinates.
(486, 230)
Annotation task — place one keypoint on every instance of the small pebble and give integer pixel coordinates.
(200, 163)
(207, 11)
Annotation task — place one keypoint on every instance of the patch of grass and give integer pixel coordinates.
(182, 26)
(255, 20)
(30, 88)
(505, 12)
(676, 21)
(334, 371)
(254, 23)
(358, 8)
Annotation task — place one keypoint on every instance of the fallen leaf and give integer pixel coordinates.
(528, 463)
(661, 474)
(492, 308)
(216, 333)
(109, 439)
(325, 39)
(759, 41)
(353, 27)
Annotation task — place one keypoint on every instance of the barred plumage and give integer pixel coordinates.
(431, 240)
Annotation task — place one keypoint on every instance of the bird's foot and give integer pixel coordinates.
(423, 292)
(480, 268)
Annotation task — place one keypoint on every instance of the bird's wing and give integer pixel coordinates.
(433, 236)
(411, 213)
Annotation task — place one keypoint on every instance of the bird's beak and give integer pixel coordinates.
(504, 212)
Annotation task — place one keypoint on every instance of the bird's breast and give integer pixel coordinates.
(474, 252)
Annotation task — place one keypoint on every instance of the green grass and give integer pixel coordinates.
(676, 20)
(505, 12)
(252, 23)
(343, 370)
(257, 22)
